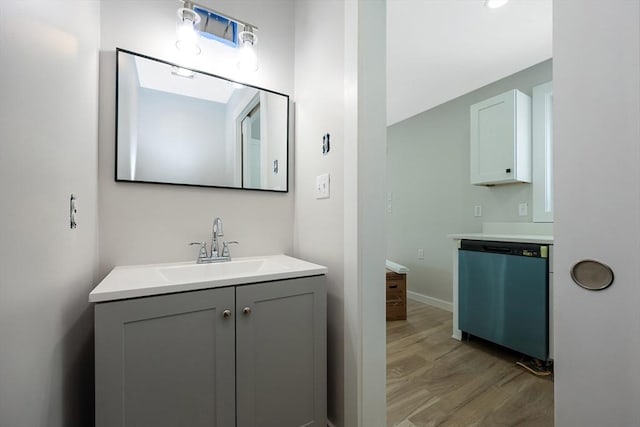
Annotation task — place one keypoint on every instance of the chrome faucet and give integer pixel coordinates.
(215, 233)
(215, 255)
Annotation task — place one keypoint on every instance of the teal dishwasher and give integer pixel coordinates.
(503, 294)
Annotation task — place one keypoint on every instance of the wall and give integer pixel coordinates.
(596, 80)
(182, 139)
(428, 178)
(48, 129)
(319, 92)
(145, 223)
(340, 90)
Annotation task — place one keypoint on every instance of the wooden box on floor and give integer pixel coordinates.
(396, 296)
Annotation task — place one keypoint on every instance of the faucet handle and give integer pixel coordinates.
(203, 249)
(225, 247)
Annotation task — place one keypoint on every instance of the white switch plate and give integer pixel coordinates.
(477, 210)
(322, 186)
(420, 253)
(389, 208)
(523, 209)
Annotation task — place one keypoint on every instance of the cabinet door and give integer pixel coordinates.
(492, 139)
(281, 353)
(166, 361)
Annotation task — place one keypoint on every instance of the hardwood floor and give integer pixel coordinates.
(434, 380)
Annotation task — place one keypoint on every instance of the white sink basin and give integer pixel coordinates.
(156, 279)
(204, 272)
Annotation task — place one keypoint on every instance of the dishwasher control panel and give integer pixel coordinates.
(507, 248)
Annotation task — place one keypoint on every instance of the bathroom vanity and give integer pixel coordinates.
(240, 343)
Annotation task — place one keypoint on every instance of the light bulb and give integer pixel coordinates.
(186, 32)
(493, 4)
(248, 60)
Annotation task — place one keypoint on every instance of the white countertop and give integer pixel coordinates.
(518, 238)
(155, 279)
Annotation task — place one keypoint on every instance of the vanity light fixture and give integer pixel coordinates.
(248, 60)
(187, 30)
(189, 18)
(494, 4)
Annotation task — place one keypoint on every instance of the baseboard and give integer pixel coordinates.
(445, 305)
(330, 424)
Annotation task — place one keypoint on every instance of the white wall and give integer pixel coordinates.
(319, 235)
(596, 81)
(340, 87)
(142, 223)
(182, 140)
(365, 240)
(428, 178)
(48, 129)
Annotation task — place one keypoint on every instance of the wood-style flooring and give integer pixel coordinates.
(435, 380)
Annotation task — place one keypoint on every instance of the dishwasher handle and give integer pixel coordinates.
(506, 248)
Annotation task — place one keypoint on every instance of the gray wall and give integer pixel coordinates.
(48, 150)
(149, 223)
(428, 178)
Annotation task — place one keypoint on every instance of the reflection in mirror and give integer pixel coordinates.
(179, 126)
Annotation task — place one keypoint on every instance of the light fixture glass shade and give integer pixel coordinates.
(247, 59)
(493, 4)
(187, 34)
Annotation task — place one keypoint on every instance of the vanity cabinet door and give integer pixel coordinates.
(166, 361)
(281, 353)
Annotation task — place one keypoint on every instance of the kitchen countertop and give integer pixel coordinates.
(155, 279)
(517, 238)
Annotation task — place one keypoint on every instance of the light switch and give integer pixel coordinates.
(523, 209)
(477, 210)
(322, 186)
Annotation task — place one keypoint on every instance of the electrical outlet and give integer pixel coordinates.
(523, 209)
(420, 253)
(477, 210)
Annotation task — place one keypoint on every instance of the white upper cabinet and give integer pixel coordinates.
(501, 139)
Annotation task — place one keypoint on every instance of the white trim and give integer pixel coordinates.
(445, 305)
(330, 424)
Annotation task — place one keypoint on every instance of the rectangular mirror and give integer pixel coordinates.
(180, 126)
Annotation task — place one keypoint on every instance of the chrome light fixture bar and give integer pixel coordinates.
(188, 35)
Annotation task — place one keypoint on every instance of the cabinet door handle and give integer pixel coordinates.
(246, 310)
(226, 314)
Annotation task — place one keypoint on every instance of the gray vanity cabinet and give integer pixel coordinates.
(281, 353)
(166, 361)
(183, 360)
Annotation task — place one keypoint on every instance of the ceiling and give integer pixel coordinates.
(161, 77)
(438, 50)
